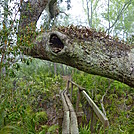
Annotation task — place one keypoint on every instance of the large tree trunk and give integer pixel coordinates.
(30, 12)
(85, 49)
(96, 54)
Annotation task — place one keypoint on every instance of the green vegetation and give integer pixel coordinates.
(30, 101)
(118, 101)
(29, 90)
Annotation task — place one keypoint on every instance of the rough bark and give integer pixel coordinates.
(94, 56)
(82, 48)
(30, 12)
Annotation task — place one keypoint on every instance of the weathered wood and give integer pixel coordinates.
(92, 121)
(70, 106)
(94, 54)
(65, 106)
(66, 119)
(69, 124)
(74, 124)
(78, 100)
(83, 48)
(66, 123)
(73, 117)
(79, 116)
(68, 82)
(31, 16)
(81, 88)
(98, 112)
(94, 107)
(71, 91)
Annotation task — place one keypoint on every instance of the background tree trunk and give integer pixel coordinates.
(5, 40)
(62, 68)
(30, 12)
(55, 69)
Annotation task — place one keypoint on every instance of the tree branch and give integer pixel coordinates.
(119, 14)
(87, 50)
(102, 99)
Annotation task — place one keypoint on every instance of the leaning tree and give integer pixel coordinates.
(86, 49)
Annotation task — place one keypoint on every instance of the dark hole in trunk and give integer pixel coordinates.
(55, 43)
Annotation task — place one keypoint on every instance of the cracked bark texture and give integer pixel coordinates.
(94, 55)
(30, 12)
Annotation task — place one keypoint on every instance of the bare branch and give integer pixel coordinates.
(102, 99)
(126, 5)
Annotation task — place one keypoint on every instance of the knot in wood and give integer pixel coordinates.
(55, 43)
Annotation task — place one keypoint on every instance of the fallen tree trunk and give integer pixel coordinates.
(95, 54)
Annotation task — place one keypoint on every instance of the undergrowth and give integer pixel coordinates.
(29, 97)
(30, 101)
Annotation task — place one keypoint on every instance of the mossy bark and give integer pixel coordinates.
(91, 56)
(87, 50)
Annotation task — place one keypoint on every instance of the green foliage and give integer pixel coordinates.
(52, 129)
(118, 101)
(8, 29)
(10, 130)
(25, 98)
(41, 117)
(85, 130)
(121, 12)
(29, 89)
(26, 95)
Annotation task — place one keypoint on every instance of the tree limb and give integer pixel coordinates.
(102, 99)
(119, 14)
(85, 49)
(88, 51)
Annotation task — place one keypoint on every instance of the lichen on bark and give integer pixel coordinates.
(88, 50)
